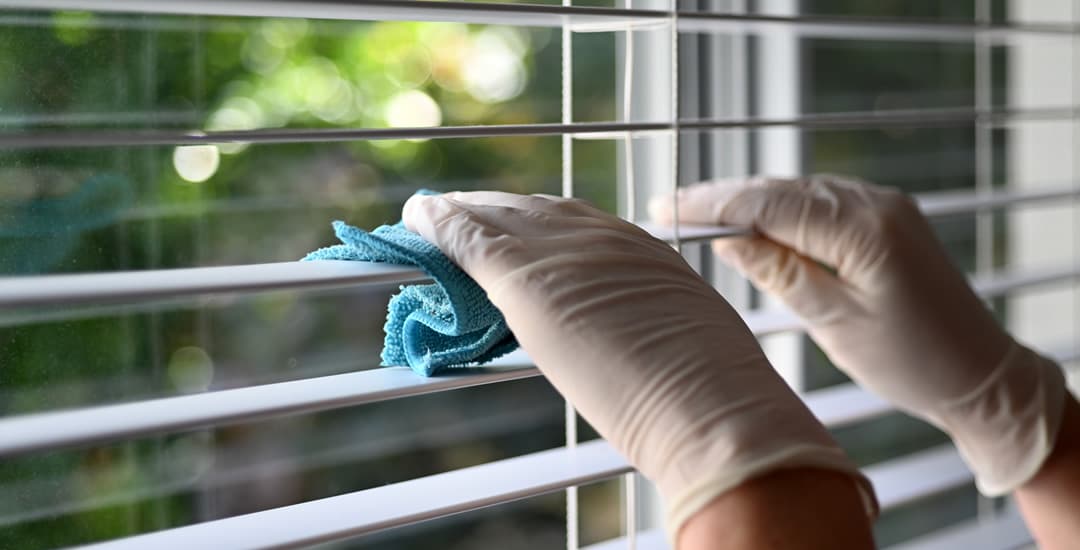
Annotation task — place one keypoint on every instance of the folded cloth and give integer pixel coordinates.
(432, 327)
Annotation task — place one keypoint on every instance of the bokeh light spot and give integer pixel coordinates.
(413, 109)
(190, 369)
(493, 71)
(196, 163)
(237, 113)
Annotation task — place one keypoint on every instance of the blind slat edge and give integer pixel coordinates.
(897, 481)
(835, 406)
(524, 14)
(918, 118)
(129, 286)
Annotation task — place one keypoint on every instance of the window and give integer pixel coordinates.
(241, 402)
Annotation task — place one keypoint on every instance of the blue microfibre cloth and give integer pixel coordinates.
(433, 327)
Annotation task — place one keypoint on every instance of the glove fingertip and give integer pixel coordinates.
(419, 213)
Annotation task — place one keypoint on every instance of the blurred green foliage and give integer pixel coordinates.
(82, 209)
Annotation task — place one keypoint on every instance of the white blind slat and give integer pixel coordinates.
(835, 406)
(902, 480)
(492, 13)
(920, 118)
(845, 404)
(121, 286)
(948, 203)
(584, 18)
(125, 138)
(52, 430)
(128, 286)
(896, 482)
(869, 28)
(395, 505)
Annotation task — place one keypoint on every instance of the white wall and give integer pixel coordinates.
(1043, 73)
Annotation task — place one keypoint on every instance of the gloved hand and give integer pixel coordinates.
(646, 350)
(894, 314)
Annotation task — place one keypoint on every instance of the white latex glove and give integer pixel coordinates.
(647, 351)
(895, 314)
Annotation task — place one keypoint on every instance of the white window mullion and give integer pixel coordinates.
(984, 176)
(778, 151)
(1036, 151)
(984, 162)
(1074, 372)
(629, 480)
(567, 104)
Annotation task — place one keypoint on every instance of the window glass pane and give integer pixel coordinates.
(110, 208)
(887, 437)
(819, 370)
(838, 75)
(267, 203)
(537, 523)
(604, 515)
(1030, 75)
(916, 160)
(926, 9)
(79, 496)
(220, 73)
(96, 357)
(124, 208)
(879, 75)
(926, 515)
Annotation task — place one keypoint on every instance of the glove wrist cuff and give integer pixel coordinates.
(1006, 428)
(686, 501)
